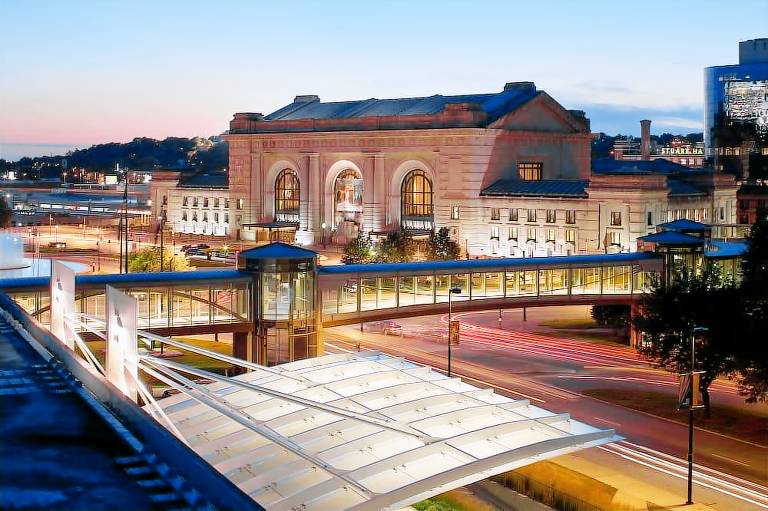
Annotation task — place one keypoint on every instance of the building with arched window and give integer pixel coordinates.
(508, 173)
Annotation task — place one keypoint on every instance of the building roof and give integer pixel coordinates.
(494, 104)
(278, 250)
(205, 180)
(126, 279)
(671, 238)
(543, 188)
(365, 431)
(657, 166)
(683, 224)
(681, 188)
(496, 264)
(725, 249)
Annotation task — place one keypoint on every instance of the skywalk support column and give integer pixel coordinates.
(62, 301)
(285, 303)
(122, 365)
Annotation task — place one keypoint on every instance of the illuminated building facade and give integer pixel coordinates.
(508, 173)
(736, 113)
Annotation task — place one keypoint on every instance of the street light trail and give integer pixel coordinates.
(747, 491)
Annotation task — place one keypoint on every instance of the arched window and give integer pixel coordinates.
(287, 196)
(416, 201)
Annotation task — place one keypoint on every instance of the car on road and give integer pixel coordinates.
(383, 327)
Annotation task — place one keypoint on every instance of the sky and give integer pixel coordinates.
(76, 73)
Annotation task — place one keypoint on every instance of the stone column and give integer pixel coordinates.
(314, 214)
(378, 196)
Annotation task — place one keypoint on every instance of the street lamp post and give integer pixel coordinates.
(692, 405)
(451, 291)
(323, 226)
(98, 249)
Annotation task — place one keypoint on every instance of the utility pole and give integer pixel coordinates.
(125, 213)
(161, 218)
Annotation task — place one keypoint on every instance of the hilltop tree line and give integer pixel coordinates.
(145, 154)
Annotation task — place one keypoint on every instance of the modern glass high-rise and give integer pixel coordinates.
(736, 113)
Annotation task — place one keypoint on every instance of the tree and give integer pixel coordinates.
(148, 260)
(6, 214)
(358, 250)
(613, 316)
(441, 247)
(397, 247)
(751, 349)
(669, 313)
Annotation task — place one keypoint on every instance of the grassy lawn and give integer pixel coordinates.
(192, 359)
(454, 500)
(583, 329)
(727, 420)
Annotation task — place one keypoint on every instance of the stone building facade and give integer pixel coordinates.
(509, 173)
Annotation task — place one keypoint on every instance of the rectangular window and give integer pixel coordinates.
(531, 234)
(650, 218)
(551, 216)
(614, 237)
(513, 233)
(226, 203)
(216, 217)
(494, 232)
(454, 213)
(185, 201)
(226, 218)
(205, 202)
(570, 216)
(194, 216)
(570, 236)
(216, 202)
(194, 201)
(165, 200)
(529, 170)
(551, 234)
(704, 214)
(240, 203)
(495, 214)
(513, 214)
(205, 216)
(615, 217)
(184, 215)
(722, 213)
(531, 215)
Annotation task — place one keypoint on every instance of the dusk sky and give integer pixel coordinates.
(77, 73)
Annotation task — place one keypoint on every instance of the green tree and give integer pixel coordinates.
(669, 313)
(441, 247)
(397, 247)
(612, 316)
(6, 215)
(357, 250)
(751, 348)
(148, 260)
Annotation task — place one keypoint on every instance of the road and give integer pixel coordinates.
(550, 371)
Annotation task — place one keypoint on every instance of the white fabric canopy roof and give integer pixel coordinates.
(364, 431)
